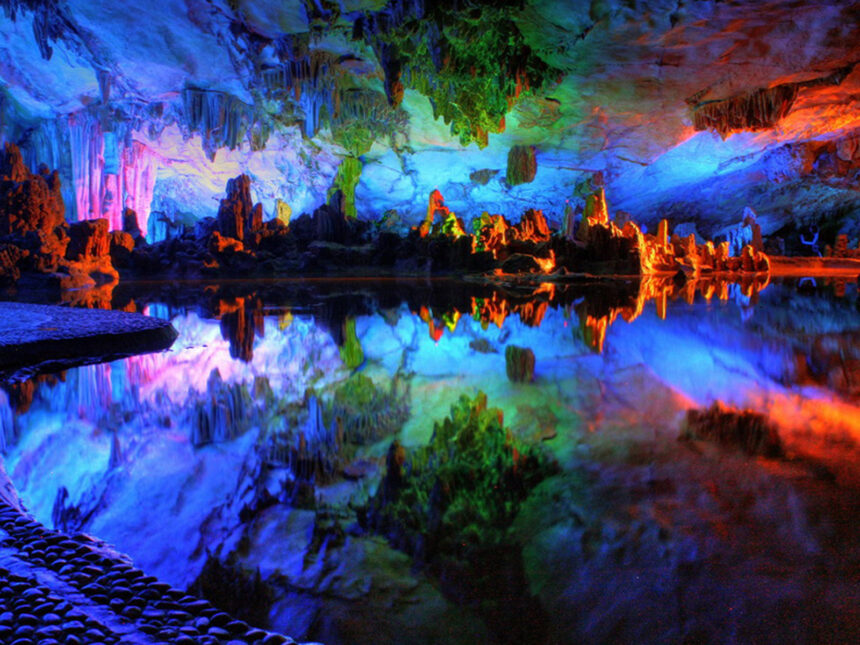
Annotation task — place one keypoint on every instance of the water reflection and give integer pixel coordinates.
(290, 432)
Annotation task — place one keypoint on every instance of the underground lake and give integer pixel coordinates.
(446, 461)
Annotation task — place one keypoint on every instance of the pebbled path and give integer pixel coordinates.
(60, 589)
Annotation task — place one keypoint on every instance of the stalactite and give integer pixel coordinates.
(220, 118)
(473, 72)
(760, 109)
(308, 82)
(50, 22)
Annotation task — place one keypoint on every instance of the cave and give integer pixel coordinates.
(353, 321)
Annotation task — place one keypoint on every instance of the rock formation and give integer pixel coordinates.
(237, 217)
(37, 239)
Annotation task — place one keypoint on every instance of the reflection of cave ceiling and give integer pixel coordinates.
(173, 98)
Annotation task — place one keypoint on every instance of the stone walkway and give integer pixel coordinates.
(60, 589)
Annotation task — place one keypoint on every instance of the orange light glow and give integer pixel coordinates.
(547, 265)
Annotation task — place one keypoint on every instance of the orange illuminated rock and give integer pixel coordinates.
(89, 239)
(237, 217)
(28, 202)
(532, 226)
(219, 244)
(435, 207)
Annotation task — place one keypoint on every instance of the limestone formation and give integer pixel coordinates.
(28, 202)
(88, 240)
(237, 217)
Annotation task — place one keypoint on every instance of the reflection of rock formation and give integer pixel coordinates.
(22, 393)
(8, 431)
(241, 321)
(748, 431)
(221, 413)
(594, 324)
(519, 364)
(310, 450)
(367, 412)
(597, 305)
(450, 504)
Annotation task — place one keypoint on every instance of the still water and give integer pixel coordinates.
(289, 458)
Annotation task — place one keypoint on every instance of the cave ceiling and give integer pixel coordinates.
(660, 96)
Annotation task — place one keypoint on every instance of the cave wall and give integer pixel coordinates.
(691, 110)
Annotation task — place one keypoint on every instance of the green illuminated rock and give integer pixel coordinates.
(351, 352)
(345, 181)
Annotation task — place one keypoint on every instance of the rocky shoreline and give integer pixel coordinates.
(37, 338)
